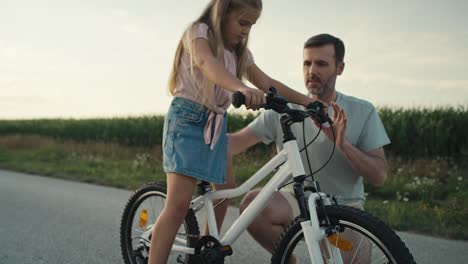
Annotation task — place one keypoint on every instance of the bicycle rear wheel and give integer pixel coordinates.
(140, 214)
(361, 238)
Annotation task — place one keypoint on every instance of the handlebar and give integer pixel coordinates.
(280, 105)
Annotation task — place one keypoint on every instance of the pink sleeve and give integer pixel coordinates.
(250, 59)
(199, 30)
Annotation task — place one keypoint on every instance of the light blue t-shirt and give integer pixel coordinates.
(364, 130)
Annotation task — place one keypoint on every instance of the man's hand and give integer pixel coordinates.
(339, 125)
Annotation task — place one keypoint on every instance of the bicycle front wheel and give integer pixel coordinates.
(360, 238)
(140, 214)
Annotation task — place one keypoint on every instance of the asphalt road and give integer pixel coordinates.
(45, 220)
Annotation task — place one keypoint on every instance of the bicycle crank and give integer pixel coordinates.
(210, 251)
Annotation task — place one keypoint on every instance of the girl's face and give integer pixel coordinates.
(237, 26)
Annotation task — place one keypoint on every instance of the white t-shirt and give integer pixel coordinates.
(364, 130)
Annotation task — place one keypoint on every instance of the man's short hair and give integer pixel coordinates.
(324, 39)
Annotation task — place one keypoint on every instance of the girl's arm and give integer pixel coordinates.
(215, 71)
(261, 80)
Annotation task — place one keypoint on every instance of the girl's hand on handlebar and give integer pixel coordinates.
(253, 97)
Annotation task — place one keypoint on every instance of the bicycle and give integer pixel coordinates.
(324, 232)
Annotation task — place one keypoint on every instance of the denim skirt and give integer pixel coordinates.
(184, 148)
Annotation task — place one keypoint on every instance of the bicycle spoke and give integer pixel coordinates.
(381, 258)
(336, 246)
(137, 230)
(356, 244)
(357, 249)
(154, 211)
(140, 214)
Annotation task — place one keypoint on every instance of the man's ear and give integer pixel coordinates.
(340, 69)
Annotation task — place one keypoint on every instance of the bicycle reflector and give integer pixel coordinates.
(143, 218)
(340, 242)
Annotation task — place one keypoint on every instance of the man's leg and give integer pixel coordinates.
(221, 209)
(271, 222)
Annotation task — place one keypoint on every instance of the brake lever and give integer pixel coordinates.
(317, 108)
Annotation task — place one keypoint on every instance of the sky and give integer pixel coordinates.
(109, 58)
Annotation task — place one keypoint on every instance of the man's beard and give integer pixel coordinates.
(320, 90)
(317, 90)
(323, 88)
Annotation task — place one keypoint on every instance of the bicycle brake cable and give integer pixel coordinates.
(310, 168)
(333, 150)
(310, 142)
(306, 145)
(284, 185)
(307, 154)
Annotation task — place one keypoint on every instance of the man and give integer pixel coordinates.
(360, 137)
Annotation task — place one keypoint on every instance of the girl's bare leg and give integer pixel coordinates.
(179, 196)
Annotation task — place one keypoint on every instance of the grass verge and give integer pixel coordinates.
(424, 196)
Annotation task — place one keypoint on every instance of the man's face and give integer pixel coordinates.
(320, 69)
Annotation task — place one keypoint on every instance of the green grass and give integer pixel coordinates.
(428, 196)
(105, 164)
(429, 132)
(420, 217)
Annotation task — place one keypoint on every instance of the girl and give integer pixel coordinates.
(211, 60)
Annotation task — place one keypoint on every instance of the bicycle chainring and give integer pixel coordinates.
(210, 251)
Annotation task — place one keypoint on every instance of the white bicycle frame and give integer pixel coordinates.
(293, 166)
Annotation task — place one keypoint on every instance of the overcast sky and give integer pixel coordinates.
(100, 58)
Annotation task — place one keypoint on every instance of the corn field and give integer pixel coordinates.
(440, 132)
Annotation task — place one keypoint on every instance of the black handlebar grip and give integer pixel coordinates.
(238, 99)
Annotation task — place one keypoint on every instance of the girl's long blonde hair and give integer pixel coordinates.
(214, 16)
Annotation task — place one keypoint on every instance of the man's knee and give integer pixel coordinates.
(277, 211)
(248, 198)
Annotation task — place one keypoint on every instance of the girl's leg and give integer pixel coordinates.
(179, 195)
(220, 210)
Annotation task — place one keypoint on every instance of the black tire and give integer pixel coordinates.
(378, 237)
(133, 251)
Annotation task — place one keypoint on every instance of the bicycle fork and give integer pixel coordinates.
(313, 235)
